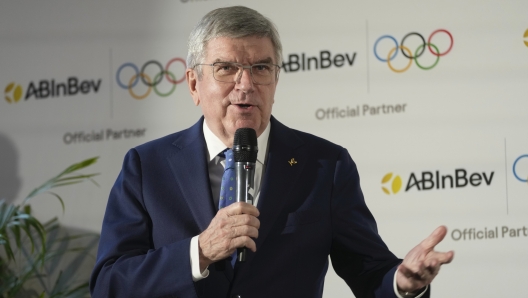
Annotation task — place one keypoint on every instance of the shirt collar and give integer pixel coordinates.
(215, 145)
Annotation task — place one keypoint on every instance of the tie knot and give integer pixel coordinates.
(223, 153)
(229, 158)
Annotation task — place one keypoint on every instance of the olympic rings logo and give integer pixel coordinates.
(406, 52)
(146, 80)
(515, 169)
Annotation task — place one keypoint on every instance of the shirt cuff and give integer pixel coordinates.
(398, 293)
(195, 261)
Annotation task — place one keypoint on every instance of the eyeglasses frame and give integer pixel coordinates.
(242, 66)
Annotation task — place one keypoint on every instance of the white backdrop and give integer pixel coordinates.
(465, 116)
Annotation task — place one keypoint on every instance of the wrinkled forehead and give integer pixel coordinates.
(249, 49)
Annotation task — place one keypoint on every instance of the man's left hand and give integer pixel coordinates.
(422, 263)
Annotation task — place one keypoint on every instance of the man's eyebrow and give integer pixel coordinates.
(265, 60)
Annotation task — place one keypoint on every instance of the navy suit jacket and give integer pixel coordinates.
(308, 211)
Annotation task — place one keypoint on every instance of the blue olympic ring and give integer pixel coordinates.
(514, 166)
(136, 71)
(376, 46)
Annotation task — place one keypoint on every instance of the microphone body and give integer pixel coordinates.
(245, 181)
(245, 151)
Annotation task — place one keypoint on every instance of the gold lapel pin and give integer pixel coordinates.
(292, 162)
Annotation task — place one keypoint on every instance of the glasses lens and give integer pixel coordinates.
(225, 71)
(262, 73)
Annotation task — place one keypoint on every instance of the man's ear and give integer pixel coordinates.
(192, 80)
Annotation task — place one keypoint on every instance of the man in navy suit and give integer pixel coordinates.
(163, 235)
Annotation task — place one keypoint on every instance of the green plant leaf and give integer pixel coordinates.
(7, 212)
(60, 200)
(7, 248)
(37, 226)
(26, 229)
(94, 182)
(53, 181)
(22, 216)
(78, 177)
(80, 165)
(15, 229)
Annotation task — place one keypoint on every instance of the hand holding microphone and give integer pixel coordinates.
(235, 225)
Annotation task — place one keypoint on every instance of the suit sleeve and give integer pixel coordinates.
(358, 253)
(127, 263)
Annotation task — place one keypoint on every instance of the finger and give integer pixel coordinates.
(244, 231)
(241, 208)
(439, 258)
(436, 237)
(244, 241)
(417, 270)
(406, 271)
(244, 220)
(420, 274)
(409, 275)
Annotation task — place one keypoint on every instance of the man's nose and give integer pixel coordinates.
(244, 80)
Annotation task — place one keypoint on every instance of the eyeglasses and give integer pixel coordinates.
(230, 72)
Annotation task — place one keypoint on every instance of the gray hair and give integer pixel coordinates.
(232, 22)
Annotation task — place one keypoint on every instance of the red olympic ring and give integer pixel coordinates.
(167, 70)
(431, 37)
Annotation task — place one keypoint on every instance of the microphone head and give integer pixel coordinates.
(245, 147)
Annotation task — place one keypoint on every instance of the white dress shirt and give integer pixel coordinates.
(216, 165)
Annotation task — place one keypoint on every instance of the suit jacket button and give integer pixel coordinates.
(237, 296)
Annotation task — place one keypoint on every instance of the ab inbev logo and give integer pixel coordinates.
(520, 168)
(13, 92)
(391, 184)
(44, 89)
(152, 75)
(413, 47)
(324, 60)
(436, 180)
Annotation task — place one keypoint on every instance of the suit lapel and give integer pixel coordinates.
(189, 166)
(191, 173)
(282, 175)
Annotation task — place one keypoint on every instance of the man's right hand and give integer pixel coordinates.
(231, 228)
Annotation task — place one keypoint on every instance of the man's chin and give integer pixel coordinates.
(247, 123)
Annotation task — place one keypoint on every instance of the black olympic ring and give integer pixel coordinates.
(155, 83)
(423, 47)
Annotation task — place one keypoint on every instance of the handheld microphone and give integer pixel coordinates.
(245, 151)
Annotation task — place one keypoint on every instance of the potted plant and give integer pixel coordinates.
(42, 259)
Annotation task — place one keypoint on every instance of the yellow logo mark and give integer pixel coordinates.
(292, 162)
(526, 37)
(395, 185)
(13, 93)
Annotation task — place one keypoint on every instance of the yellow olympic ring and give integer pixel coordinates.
(408, 64)
(138, 97)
